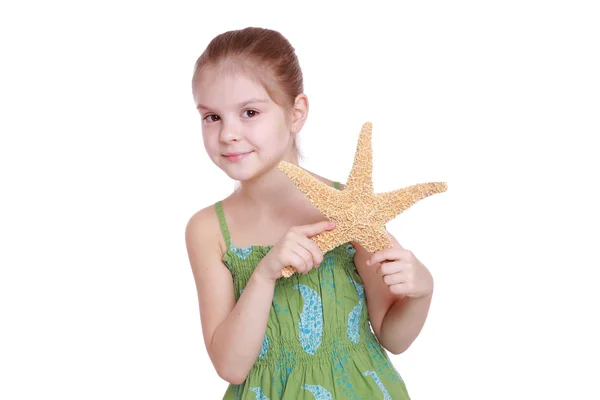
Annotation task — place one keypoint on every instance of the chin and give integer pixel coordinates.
(247, 174)
(241, 175)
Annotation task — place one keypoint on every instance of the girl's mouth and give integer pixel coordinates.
(233, 157)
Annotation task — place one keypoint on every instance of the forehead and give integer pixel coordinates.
(225, 87)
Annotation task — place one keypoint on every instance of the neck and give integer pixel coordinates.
(272, 190)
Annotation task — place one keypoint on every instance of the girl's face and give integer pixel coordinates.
(245, 132)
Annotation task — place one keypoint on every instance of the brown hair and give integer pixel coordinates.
(264, 53)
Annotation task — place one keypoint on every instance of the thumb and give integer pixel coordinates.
(316, 228)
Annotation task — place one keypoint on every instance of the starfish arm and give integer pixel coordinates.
(374, 238)
(331, 239)
(361, 175)
(324, 197)
(391, 204)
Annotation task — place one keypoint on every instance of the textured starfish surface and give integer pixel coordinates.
(359, 213)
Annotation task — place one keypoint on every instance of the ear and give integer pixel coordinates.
(299, 113)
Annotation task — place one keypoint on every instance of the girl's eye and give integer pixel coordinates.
(251, 113)
(211, 118)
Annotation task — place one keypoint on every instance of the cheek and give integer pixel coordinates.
(277, 144)
(210, 145)
(270, 139)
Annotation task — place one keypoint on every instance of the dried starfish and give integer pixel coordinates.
(359, 213)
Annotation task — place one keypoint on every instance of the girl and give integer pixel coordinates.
(308, 336)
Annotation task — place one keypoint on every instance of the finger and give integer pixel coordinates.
(305, 256)
(392, 267)
(313, 248)
(389, 254)
(393, 279)
(295, 261)
(399, 288)
(314, 229)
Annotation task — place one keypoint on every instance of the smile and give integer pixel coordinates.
(233, 157)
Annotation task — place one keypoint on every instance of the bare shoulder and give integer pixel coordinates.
(203, 232)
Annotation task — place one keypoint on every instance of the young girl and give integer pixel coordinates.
(308, 336)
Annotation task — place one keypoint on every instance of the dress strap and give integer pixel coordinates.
(223, 223)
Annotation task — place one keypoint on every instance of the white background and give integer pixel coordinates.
(102, 165)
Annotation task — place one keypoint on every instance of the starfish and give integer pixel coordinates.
(359, 213)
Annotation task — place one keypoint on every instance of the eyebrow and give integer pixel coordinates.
(239, 105)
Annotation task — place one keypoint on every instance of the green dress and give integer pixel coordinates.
(318, 343)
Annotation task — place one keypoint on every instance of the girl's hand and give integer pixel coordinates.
(294, 249)
(402, 272)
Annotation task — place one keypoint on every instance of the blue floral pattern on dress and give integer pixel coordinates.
(264, 348)
(381, 361)
(340, 359)
(241, 252)
(353, 325)
(327, 276)
(311, 320)
(319, 392)
(259, 394)
(386, 395)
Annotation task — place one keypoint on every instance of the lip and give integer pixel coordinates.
(235, 156)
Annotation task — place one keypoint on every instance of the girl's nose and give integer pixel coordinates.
(229, 133)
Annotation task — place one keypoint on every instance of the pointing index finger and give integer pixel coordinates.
(314, 229)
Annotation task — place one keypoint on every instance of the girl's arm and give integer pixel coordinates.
(396, 319)
(233, 332)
